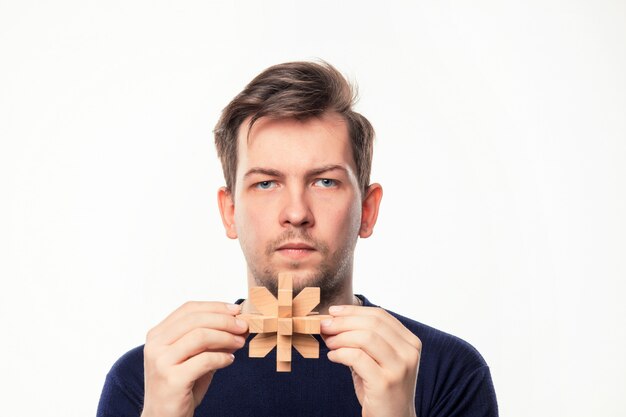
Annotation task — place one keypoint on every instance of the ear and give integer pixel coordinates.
(369, 209)
(227, 211)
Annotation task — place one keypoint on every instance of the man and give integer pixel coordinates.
(296, 160)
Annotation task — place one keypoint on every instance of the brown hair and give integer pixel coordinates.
(299, 90)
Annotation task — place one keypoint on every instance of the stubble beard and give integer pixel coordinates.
(332, 274)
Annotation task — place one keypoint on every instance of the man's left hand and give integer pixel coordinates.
(382, 354)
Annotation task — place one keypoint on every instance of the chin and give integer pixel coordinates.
(303, 279)
(329, 274)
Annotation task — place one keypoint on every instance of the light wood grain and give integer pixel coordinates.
(263, 301)
(306, 345)
(306, 301)
(259, 324)
(262, 344)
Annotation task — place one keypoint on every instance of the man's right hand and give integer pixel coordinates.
(183, 352)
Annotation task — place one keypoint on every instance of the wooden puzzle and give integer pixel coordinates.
(284, 322)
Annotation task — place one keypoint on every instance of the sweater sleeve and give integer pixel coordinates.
(115, 401)
(122, 394)
(473, 396)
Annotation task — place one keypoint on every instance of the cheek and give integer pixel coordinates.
(251, 226)
(345, 220)
(355, 216)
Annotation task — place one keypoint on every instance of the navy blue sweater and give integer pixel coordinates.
(453, 380)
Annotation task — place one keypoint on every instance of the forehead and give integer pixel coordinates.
(292, 146)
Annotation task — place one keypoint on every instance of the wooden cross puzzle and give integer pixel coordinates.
(284, 322)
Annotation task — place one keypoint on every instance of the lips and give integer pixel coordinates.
(295, 245)
(295, 250)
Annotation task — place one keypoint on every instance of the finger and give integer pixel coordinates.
(371, 324)
(375, 346)
(201, 306)
(337, 325)
(197, 366)
(362, 364)
(379, 314)
(198, 341)
(170, 332)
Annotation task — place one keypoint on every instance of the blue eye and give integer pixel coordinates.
(265, 185)
(326, 182)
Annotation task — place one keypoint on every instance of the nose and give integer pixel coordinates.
(296, 211)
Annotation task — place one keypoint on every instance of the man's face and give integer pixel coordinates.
(297, 204)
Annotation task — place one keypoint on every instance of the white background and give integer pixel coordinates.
(501, 146)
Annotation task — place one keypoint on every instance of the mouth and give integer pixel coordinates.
(295, 250)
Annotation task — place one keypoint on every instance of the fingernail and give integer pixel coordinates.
(233, 307)
(241, 323)
(240, 340)
(335, 309)
(326, 323)
(232, 357)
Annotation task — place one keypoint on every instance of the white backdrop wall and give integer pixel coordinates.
(501, 146)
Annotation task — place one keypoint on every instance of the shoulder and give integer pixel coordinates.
(124, 386)
(452, 375)
(129, 365)
(437, 345)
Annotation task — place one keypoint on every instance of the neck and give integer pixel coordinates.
(344, 296)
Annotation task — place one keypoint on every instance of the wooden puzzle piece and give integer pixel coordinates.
(259, 324)
(264, 301)
(306, 301)
(284, 322)
(306, 345)
(309, 324)
(262, 344)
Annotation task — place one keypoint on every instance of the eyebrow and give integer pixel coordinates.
(263, 171)
(326, 168)
(311, 173)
